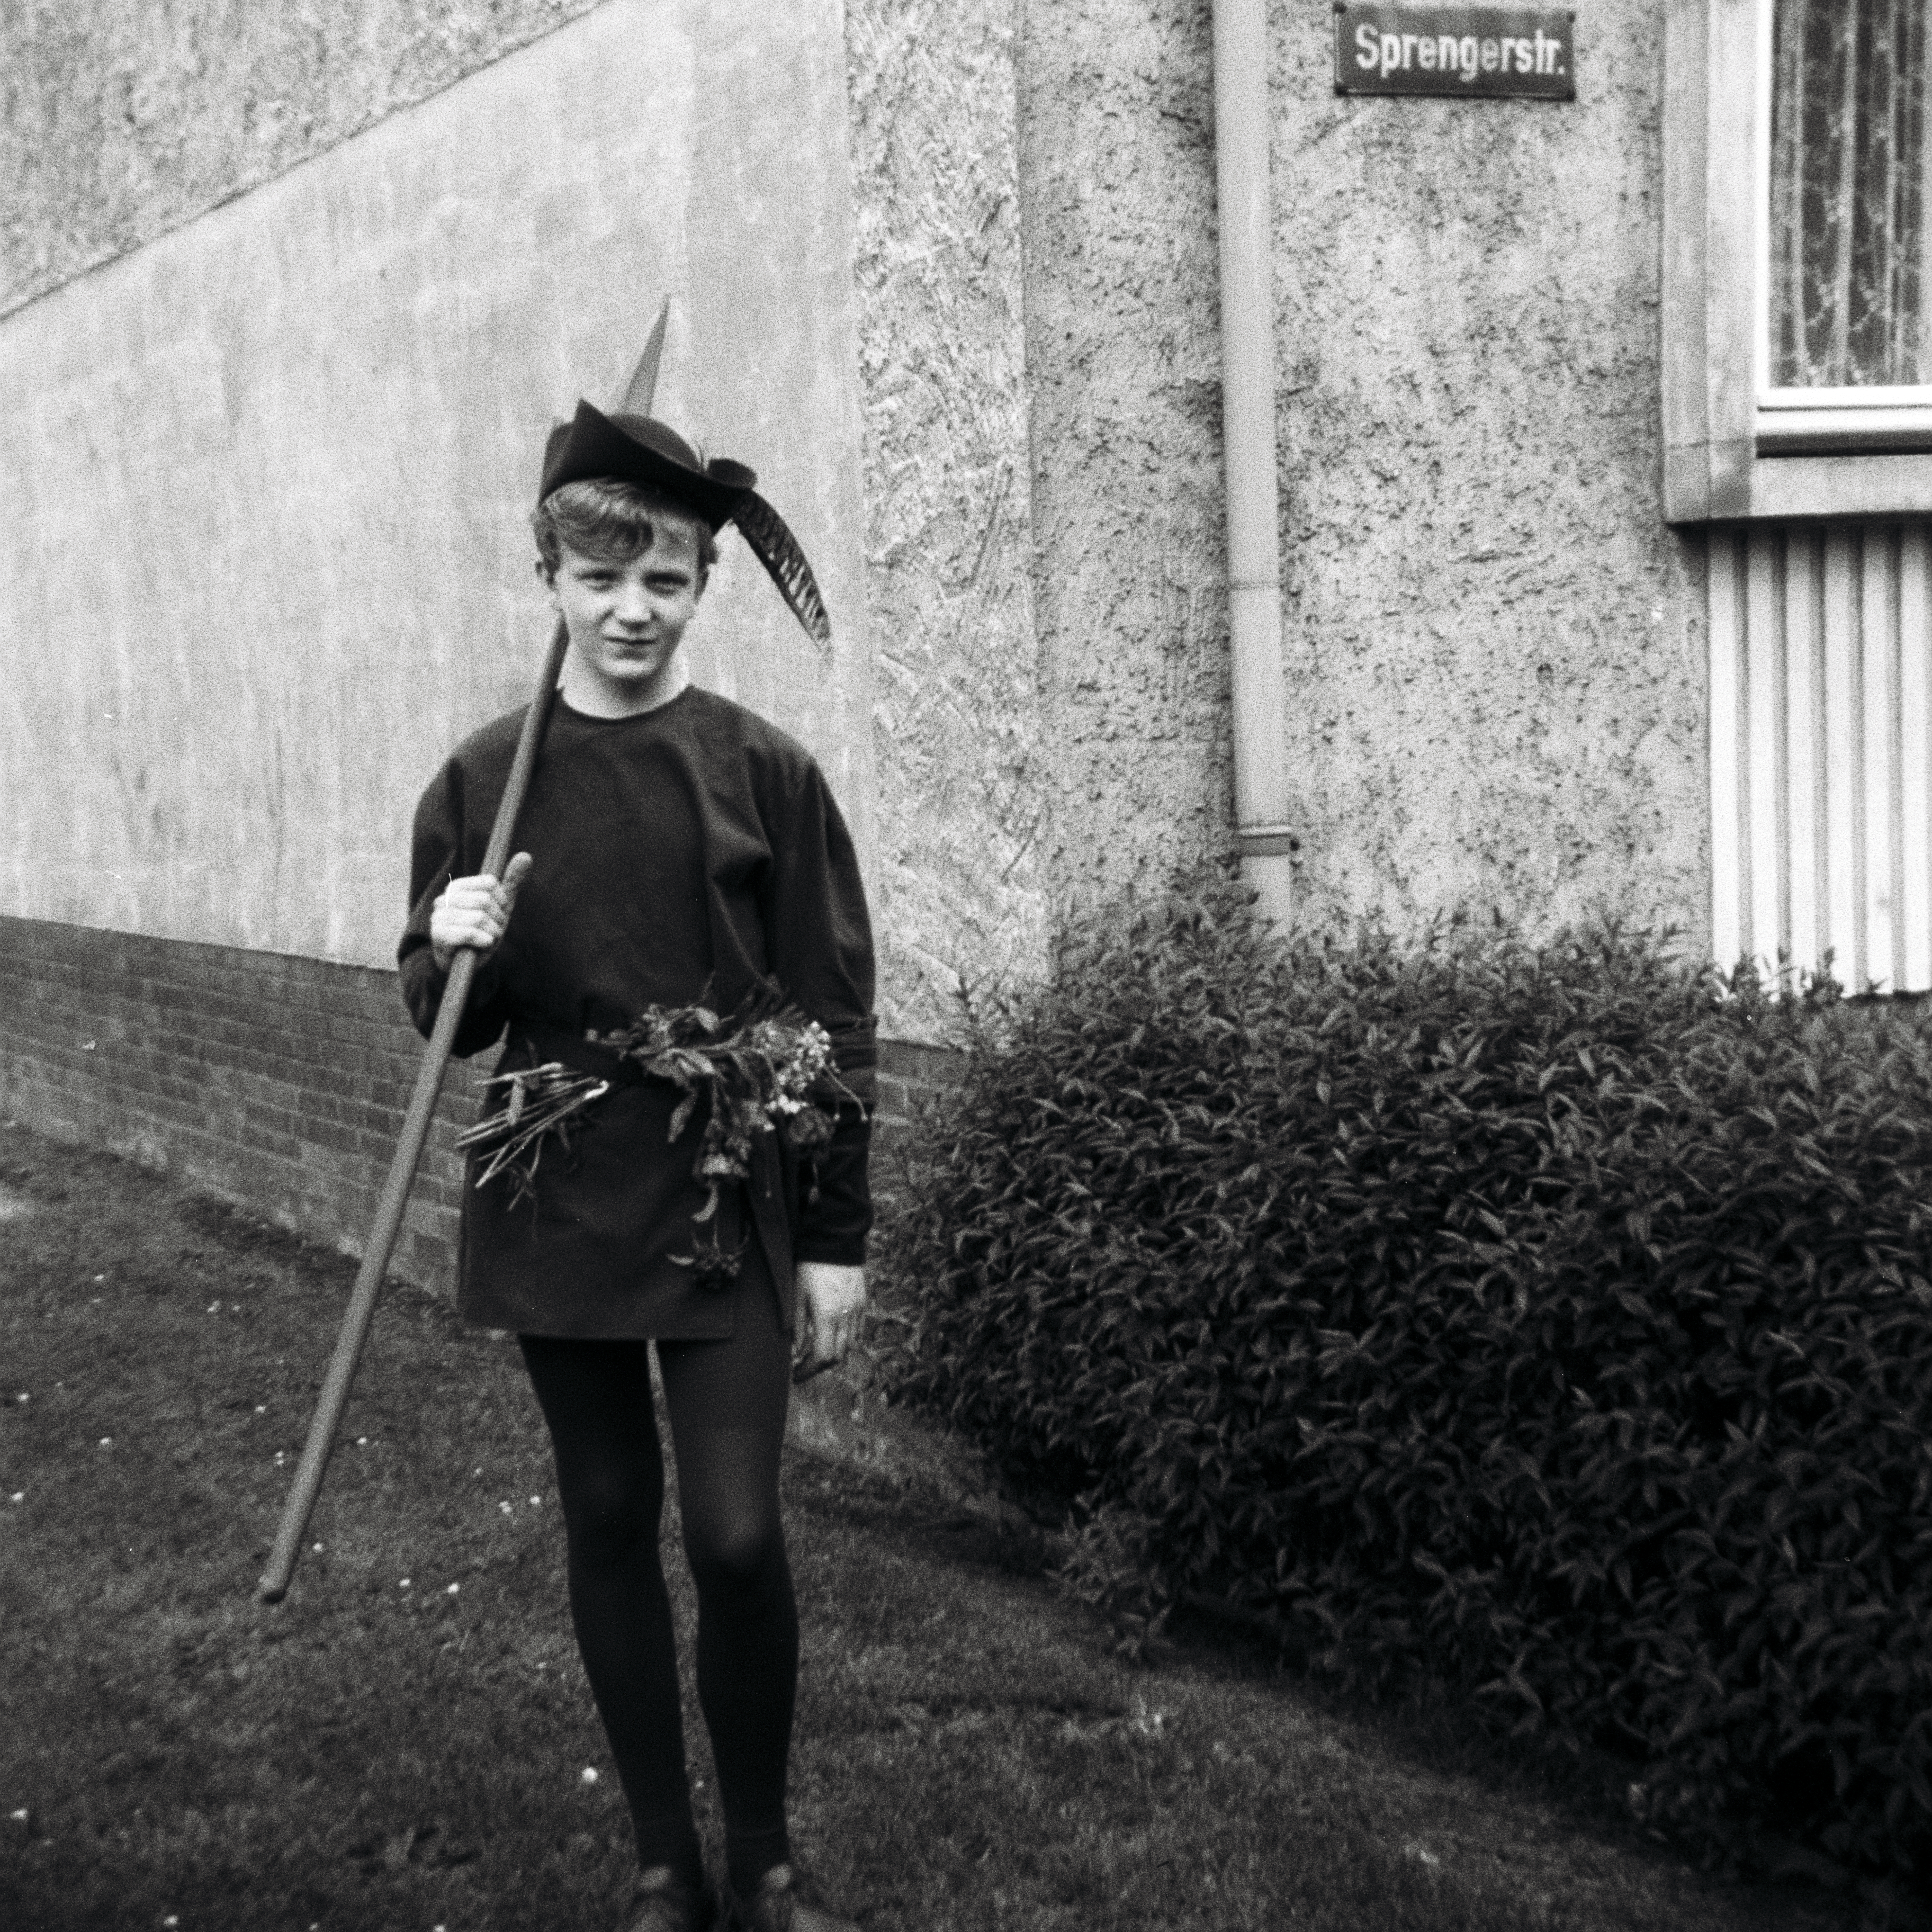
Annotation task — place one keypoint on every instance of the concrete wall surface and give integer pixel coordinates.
(264, 483)
(122, 129)
(965, 795)
(1496, 650)
(1124, 366)
(122, 119)
(974, 347)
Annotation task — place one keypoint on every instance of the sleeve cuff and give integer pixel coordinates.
(841, 1251)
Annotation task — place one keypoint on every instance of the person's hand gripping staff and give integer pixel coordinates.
(475, 911)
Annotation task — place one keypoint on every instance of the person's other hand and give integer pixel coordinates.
(832, 1298)
(475, 911)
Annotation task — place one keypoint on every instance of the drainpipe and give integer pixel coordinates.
(1261, 812)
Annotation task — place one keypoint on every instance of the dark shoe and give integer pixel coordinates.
(776, 1907)
(664, 1903)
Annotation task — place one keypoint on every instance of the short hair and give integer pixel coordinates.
(614, 522)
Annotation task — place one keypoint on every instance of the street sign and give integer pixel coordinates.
(1489, 52)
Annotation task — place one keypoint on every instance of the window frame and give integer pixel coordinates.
(1736, 449)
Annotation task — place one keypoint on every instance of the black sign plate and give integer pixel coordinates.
(1489, 51)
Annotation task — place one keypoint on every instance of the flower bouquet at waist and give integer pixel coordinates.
(763, 1070)
(767, 1069)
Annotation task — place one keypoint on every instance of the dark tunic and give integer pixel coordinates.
(691, 851)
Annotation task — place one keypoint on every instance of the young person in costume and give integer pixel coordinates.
(672, 848)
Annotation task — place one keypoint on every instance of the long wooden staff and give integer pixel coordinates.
(638, 397)
(316, 1453)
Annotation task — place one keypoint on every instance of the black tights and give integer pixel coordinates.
(727, 1402)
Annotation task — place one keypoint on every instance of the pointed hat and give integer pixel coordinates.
(632, 446)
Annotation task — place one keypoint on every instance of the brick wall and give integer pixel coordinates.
(274, 1082)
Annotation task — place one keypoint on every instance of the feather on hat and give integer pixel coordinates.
(638, 448)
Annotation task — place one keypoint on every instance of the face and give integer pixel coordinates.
(626, 621)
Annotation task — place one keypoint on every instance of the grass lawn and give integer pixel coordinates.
(407, 1741)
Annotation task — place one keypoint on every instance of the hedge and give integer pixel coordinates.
(1551, 1322)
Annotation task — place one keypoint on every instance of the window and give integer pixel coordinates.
(1845, 348)
(1797, 259)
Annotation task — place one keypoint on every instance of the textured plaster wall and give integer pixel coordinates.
(1496, 650)
(122, 119)
(264, 483)
(1123, 363)
(123, 122)
(963, 798)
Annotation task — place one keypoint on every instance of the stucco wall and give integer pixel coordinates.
(1123, 364)
(264, 483)
(964, 797)
(120, 129)
(1496, 650)
(122, 119)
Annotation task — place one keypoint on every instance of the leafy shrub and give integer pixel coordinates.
(1550, 1322)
